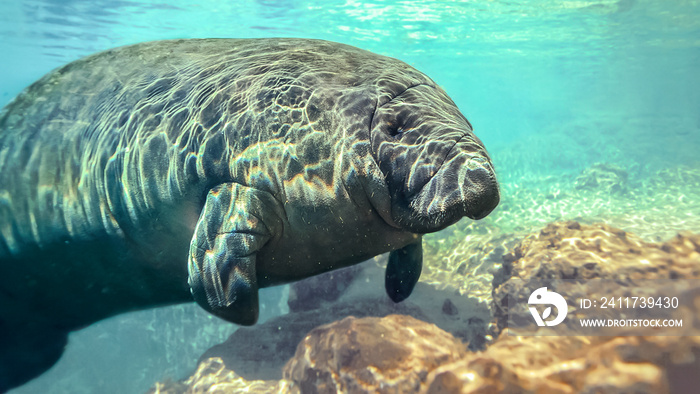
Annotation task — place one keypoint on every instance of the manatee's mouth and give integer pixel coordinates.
(463, 185)
(426, 214)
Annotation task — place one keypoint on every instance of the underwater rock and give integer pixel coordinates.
(570, 250)
(603, 176)
(579, 364)
(371, 355)
(212, 376)
(260, 352)
(313, 292)
(571, 364)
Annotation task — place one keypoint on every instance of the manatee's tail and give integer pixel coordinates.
(26, 353)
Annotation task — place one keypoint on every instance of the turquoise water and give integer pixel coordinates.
(551, 87)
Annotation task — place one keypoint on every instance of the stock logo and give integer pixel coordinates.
(543, 297)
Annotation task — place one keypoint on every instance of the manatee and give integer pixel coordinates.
(172, 171)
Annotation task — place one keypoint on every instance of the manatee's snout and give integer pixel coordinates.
(484, 190)
(464, 185)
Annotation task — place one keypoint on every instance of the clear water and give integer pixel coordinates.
(551, 87)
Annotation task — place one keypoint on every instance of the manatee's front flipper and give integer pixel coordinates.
(230, 232)
(403, 271)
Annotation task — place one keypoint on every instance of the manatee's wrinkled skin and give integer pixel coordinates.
(166, 171)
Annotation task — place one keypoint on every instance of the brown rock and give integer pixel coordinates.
(515, 364)
(572, 364)
(371, 355)
(212, 376)
(260, 352)
(563, 252)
